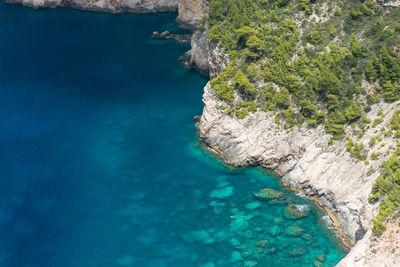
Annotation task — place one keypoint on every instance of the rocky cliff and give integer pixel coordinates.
(373, 251)
(113, 6)
(204, 56)
(190, 11)
(304, 159)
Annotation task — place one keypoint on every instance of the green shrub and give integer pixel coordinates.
(372, 141)
(353, 112)
(375, 156)
(378, 228)
(282, 98)
(335, 124)
(355, 149)
(243, 85)
(377, 121)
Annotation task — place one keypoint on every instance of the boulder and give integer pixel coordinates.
(268, 194)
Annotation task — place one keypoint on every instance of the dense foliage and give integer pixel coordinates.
(314, 62)
(306, 57)
(387, 187)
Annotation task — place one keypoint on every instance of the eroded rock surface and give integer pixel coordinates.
(204, 56)
(190, 11)
(306, 162)
(113, 6)
(373, 251)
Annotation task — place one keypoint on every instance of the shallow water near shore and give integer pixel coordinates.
(99, 160)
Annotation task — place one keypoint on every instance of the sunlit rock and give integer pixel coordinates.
(294, 212)
(268, 194)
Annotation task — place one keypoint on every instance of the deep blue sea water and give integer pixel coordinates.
(99, 163)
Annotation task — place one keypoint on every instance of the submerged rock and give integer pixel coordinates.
(315, 245)
(321, 257)
(253, 205)
(221, 236)
(234, 242)
(278, 220)
(274, 230)
(236, 256)
(278, 201)
(268, 194)
(216, 204)
(297, 252)
(294, 230)
(250, 263)
(222, 193)
(222, 184)
(306, 237)
(262, 243)
(240, 221)
(208, 264)
(294, 212)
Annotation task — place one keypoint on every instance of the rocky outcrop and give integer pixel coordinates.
(190, 13)
(328, 174)
(183, 38)
(306, 162)
(112, 6)
(204, 56)
(390, 3)
(373, 251)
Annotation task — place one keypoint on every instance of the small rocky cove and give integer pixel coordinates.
(260, 222)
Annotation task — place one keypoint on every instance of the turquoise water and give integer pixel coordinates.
(99, 160)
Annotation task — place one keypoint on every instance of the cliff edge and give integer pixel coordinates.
(190, 12)
(305, 160)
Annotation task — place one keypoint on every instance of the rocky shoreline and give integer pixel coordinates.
(183, 38)
(189, 11)
(332, 216)
(327, 174)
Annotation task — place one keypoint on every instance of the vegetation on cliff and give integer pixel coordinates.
(313, 62)
(387, 187)
(306, 58)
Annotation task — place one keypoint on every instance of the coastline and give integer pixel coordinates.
(326, 209)
(330, 213)
(306, 162)
(189, 12)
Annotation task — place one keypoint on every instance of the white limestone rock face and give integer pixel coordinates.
(204, 56)
(190, 13)
(377, 252)
(306, 162)
(113, 6)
